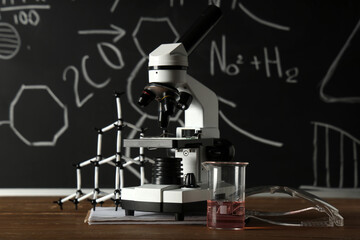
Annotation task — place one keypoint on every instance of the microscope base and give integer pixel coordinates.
(164, 199)
(178, 209)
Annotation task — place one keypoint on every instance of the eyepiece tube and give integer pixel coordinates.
(200, 28)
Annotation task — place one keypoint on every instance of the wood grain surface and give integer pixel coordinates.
(40, 218)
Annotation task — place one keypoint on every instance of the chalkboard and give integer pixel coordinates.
(285, 73)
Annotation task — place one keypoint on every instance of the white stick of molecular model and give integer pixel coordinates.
(121, 161)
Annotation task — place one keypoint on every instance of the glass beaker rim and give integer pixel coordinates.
(226, 163)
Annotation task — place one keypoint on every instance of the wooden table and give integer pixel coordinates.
(39, 218)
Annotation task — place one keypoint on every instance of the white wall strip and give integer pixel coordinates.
(60, 192)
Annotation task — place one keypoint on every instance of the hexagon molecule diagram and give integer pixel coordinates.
(37, 116)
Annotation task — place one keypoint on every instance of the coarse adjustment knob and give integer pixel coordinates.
(190, 181)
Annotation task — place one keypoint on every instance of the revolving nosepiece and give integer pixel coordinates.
(169, 99)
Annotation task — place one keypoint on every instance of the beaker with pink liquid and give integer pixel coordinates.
(226, 206)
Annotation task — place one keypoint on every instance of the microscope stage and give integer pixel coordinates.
(164, 142)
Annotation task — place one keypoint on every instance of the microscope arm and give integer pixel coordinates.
(203, 112)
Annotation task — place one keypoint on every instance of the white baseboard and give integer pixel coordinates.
(62, 192)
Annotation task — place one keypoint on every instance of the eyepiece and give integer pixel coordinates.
(200, 28)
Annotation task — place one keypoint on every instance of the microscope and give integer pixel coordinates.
(179, 183)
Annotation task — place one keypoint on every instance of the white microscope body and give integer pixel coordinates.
(168, 65)
(172, 87)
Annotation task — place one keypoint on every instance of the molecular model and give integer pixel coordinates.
(118, 160)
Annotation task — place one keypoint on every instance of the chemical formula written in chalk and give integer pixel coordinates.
(270, 61)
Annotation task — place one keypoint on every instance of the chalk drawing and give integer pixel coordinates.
(114, 6)
(241, 131)
(31, 17)
(23, 7)
(119, 33)
(342, 135)
(233, 69)
(181, 2)
(330, 72)
(25, 14)
(117, 53)
(229, 70)
(11, 120)
(115, 30)
(215, 2)
(262, 21)
(227, 102)
(248, 134)
(10, 41)
(79, 103)
(87, 77)
(6, 122)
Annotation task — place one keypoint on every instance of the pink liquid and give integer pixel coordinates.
(225, 214)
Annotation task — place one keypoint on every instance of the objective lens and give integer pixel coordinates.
(164, 117)
(184, 101)
(168, 102)
(146, 97)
